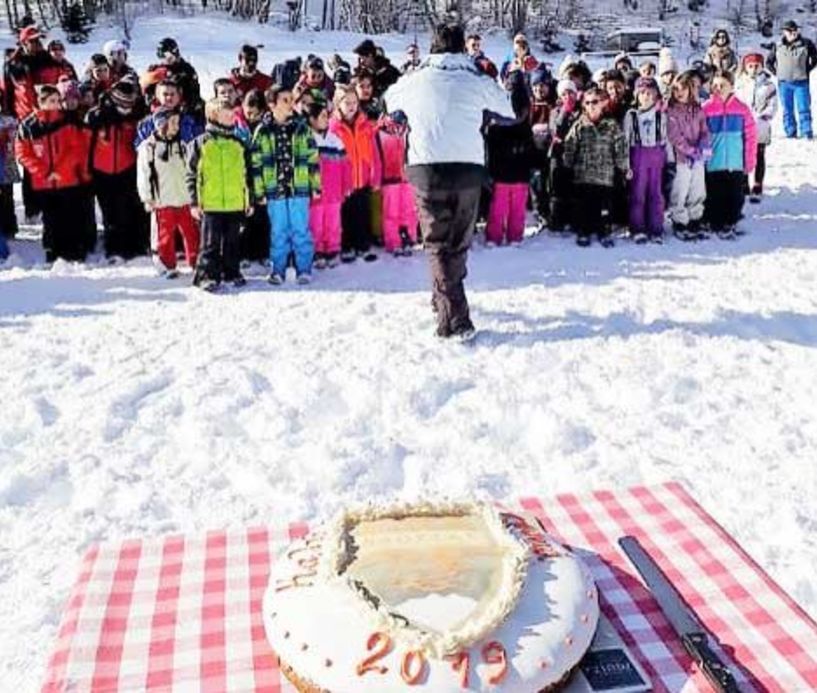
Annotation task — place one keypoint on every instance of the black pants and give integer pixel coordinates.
(591, 209)
(447, 218)
(125, 222)
(68, 222)
(219, 256)
(559, 191)
(356, 221)
(8, 218)
(725, 195)
(255, 235)
(31, 199)
(760, 168)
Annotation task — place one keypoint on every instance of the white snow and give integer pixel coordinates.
(136, 406)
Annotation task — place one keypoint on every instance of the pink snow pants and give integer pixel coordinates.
(507, 212)
(399, 209)
(324, 222)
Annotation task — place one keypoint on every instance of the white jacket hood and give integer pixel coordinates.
(444, 100)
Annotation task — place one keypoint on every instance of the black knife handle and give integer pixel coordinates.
(697, 644)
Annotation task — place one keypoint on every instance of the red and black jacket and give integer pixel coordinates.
(23, 73)
(54, 142)
(242, 84)
(113, 135)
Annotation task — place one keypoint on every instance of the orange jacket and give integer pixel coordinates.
(359, 141)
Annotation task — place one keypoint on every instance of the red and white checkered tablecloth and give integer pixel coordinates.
(183, 613)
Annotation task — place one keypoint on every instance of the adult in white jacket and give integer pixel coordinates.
(445, 101)
(756, 88)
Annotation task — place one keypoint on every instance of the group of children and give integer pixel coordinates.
(628, 147)
(309, 170)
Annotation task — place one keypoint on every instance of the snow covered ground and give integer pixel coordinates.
(135, 406)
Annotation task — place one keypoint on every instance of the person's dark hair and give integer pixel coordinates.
(274, 92)
(255, 98)
(220, 82)
(725, 74)
(168, 82)
(248, 51)
(473, 37)
(448, 38)
(595, 92)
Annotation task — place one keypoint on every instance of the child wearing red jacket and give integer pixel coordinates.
(399, 208)
(53, 147)
(336, 184)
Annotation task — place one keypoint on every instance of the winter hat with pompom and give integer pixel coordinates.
(666, 62)
(565, 85)
(124, 94)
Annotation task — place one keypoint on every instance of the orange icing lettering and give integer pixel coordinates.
(460, 663)
(494, 653)
(379, 644)
(300, 580)
(416, 661)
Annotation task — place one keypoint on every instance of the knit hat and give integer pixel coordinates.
(541, 75)
(666, 62)
(646, 83)
(314, 62)
(753, 57)
(565, 85)
(114, 46)
(623, 56)
(56, 44)
(124, 94)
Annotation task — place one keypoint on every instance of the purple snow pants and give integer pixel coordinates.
(646, 197)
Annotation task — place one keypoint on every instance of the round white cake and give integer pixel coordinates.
(444, 597)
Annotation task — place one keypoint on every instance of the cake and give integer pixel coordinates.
(441, 597)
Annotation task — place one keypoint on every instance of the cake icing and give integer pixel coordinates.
(443, 597)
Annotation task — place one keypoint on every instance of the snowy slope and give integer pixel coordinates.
(135, 406)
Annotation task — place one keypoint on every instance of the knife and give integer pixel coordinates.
(692, 633)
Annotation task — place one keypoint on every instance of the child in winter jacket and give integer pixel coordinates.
(595, 149)
(509, 146)
(356, 132)
(645, 128)
(336, 183)
(542, 117)
(255, 235)
(734, 154)
(161, 181)
(757, 90)
(53, 147)
(113, 165)
(399, 208)
(689, 136)
(286, 174)
(219, 184)
(566, 113)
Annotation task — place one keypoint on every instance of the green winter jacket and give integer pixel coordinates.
(306, 177)
(594, 152)
(218, 171)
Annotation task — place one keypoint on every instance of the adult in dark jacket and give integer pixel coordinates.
(113, 166)
(792, 60)
(445, 101)
(371, 57)
(178, 69)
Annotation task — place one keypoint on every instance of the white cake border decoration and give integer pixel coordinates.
(335, 560)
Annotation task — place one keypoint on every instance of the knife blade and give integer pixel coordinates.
(693, 635)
